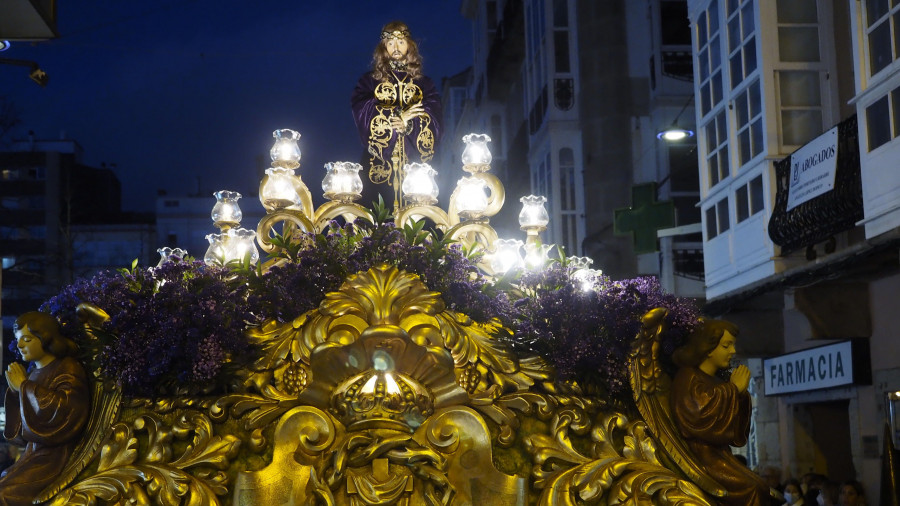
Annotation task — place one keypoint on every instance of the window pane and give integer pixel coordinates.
(701, 29)
(561, 13)
(799, 89)
(896, 33)
(713, 165)
(747, 20)
(723, 162)
(711, 229)
(737, 70)
(734, 33)
(749, 56)
(716, 88)
(732, 5)
(800, 126)
(895, 104)
(756, 195)
(755, 100)
(711, 141)
(676, 29)
(744, 143)
(713, 16)
(740, 109)
(880, 47)
(798, 43)
(741, 204)
(703, 59)
(715, 54)
(561, 53)
(721, 127)
(756, 136)
(797, 11)
(875, 9)
(704, 99)
(878, 123)
(722, 215)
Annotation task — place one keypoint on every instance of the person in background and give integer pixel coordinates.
(851, 494)
(793, 494)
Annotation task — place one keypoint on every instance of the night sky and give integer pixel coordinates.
(183, 95)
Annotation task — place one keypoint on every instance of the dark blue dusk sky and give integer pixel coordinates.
(177, 92)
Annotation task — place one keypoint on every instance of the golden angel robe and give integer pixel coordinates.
(712, 416)
(47, 415)
(374, 102)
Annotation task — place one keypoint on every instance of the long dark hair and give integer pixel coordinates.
(701, 341)
(381, 60)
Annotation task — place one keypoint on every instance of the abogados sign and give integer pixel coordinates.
(833, 365)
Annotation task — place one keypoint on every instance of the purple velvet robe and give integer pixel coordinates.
(712, 416)
(374, 102)
(47, 415)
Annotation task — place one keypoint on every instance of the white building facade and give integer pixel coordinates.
(771, 77)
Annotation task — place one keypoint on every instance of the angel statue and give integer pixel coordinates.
(713, 414)
(47, 407)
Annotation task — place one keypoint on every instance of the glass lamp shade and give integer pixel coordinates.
(533, 214)
(576, 264)
(279, 191)
(419, 185)
(471, 199)
(342, 181)
(507, 255)
(537, 256)
(239, 244)
(285, 152)
(168, 254)
(585, 279)
(215, 254)
(226, 211)
(476, 151)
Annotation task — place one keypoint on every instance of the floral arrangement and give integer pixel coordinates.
(182, 324)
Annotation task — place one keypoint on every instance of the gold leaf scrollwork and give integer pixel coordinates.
(633, 475)
(127, 475)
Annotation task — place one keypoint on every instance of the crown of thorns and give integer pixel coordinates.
(396, 34)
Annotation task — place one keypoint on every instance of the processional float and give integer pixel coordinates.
(382, 394)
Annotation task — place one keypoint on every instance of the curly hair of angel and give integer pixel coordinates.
(46, 328)
(699, 343)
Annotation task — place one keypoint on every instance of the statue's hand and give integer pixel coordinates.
(741, 378)
(15, 375)
(397, 123)
(414, 111)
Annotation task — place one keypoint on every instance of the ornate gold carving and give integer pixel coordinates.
(607, 474)
(127, 473)
(383, 396)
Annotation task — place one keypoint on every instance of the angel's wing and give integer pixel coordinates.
(650, 388)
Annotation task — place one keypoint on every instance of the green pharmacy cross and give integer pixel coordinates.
(645, 216)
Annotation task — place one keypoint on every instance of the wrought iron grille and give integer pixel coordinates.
(824, 216)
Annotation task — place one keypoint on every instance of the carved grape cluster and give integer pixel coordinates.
(468, 378)
(295, 379)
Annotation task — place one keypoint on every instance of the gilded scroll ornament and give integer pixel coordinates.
(128, 473)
